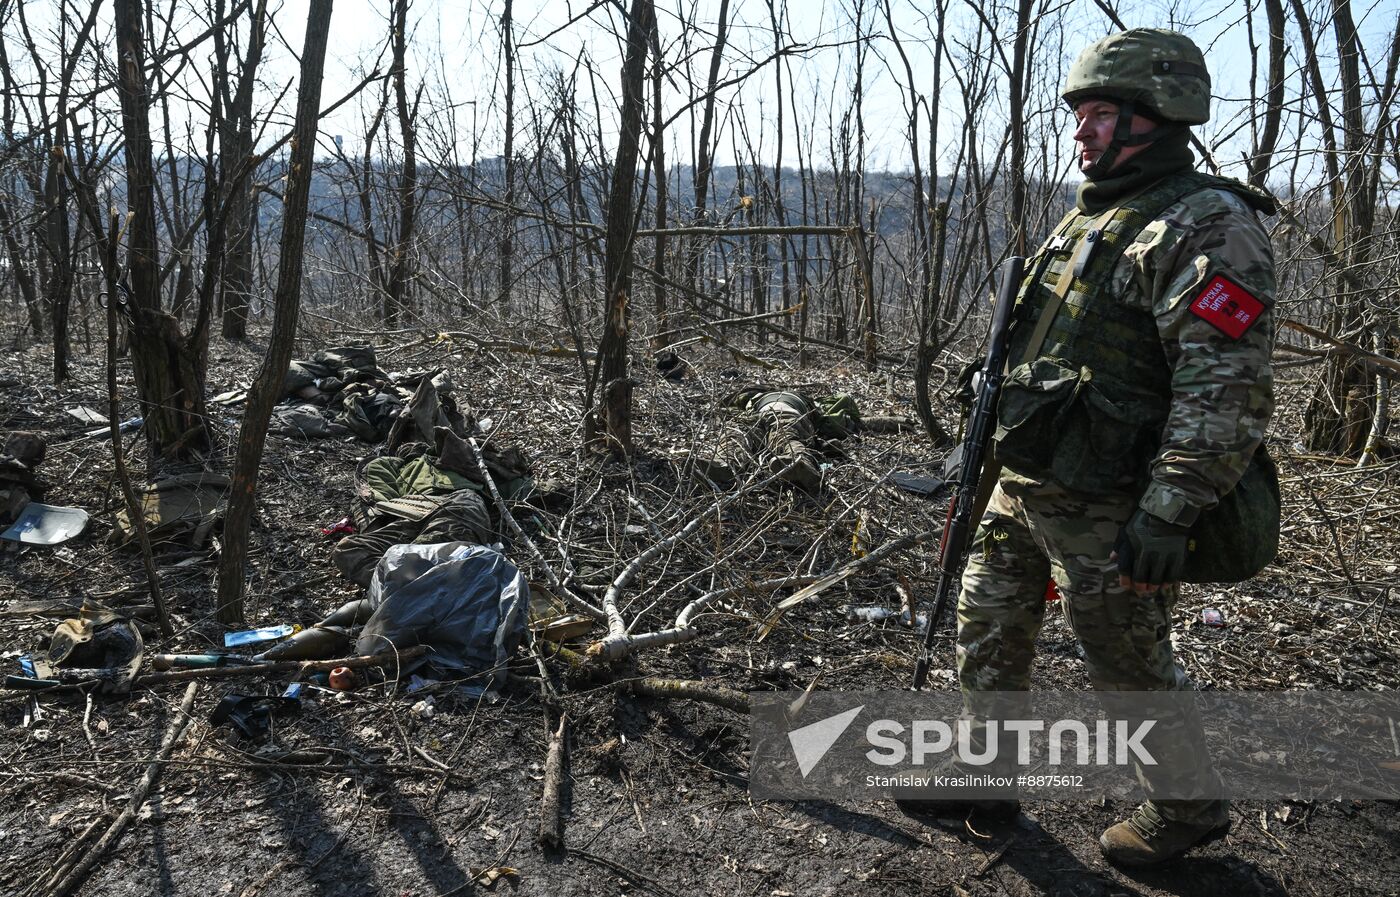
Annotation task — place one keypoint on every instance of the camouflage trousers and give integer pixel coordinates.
(771, 438)
(1031, 532)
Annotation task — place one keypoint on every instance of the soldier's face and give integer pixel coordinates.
(1095, 122)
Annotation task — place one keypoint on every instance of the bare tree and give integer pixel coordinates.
(400, 262)
(168, 364)
(267, 387)
(613, 419)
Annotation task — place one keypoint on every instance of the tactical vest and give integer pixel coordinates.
(1087, 406)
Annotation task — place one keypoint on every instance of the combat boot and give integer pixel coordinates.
(1147, 838)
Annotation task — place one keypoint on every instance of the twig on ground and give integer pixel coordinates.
(75, 876)
(554, 581)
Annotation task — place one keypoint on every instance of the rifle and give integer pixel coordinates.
(960, 522)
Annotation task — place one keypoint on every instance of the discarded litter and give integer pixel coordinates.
(252, 636)
(342, 527)
(317, 643)
(198, 661)
(871, 613)
(99, 645)
(125, 426)
(1213, 618)
(184, 508)
(252, 715)
(343, 679)
(40, 524)
(868, 614)
(916, 483)
(87, 415)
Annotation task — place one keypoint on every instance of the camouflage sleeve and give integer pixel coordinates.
(1208, 270)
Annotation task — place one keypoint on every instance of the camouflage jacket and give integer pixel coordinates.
(1204, 270)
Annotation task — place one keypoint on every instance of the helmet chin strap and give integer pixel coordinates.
(1123, 136)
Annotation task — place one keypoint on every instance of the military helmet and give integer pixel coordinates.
(1162, 72)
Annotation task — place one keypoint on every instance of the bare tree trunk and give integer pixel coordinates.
(267, 387)
(506, 249)
(24, 277)
(400, 263)
(704, 153)
(1338, 411)
(923, 228)
(168, 369)
(658, 162)
(236, 145)
(1262, 159)
(616, 397)
(60, 243)
(364, 189)
(1018, 127)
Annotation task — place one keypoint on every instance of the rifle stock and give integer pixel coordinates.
(961, 520)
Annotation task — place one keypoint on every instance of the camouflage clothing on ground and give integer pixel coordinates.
(777, 428)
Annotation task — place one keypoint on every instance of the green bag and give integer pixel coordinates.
(1237, 538)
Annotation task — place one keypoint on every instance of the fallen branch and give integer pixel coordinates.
(682, 631)
(554, 581)
(551, 816)
(510, 346)
(686, 689)
(617, 639)
(299, 667)
(842, 574)
(691, 691)
(70, 881)
(1378, 363)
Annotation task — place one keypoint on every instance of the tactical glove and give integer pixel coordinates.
(1150, 550)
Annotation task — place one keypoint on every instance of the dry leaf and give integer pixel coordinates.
(488, 877)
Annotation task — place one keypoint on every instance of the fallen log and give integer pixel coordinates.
(551, 807)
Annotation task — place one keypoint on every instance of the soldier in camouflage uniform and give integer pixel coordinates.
(1133, 406)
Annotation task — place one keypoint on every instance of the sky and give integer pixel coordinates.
(455, 53)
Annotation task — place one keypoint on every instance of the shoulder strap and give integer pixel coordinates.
(1134, 213)
(1057, 296)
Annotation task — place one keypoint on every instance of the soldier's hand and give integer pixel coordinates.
(1150, 552)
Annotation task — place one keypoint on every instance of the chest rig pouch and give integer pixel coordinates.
(1090, 390)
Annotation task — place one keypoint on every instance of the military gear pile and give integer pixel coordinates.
(778, 430)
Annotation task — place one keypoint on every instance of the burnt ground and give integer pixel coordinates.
(364, 795)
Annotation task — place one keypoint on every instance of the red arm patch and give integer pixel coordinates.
(1227, 306)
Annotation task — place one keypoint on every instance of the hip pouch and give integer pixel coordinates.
(1056, 421)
